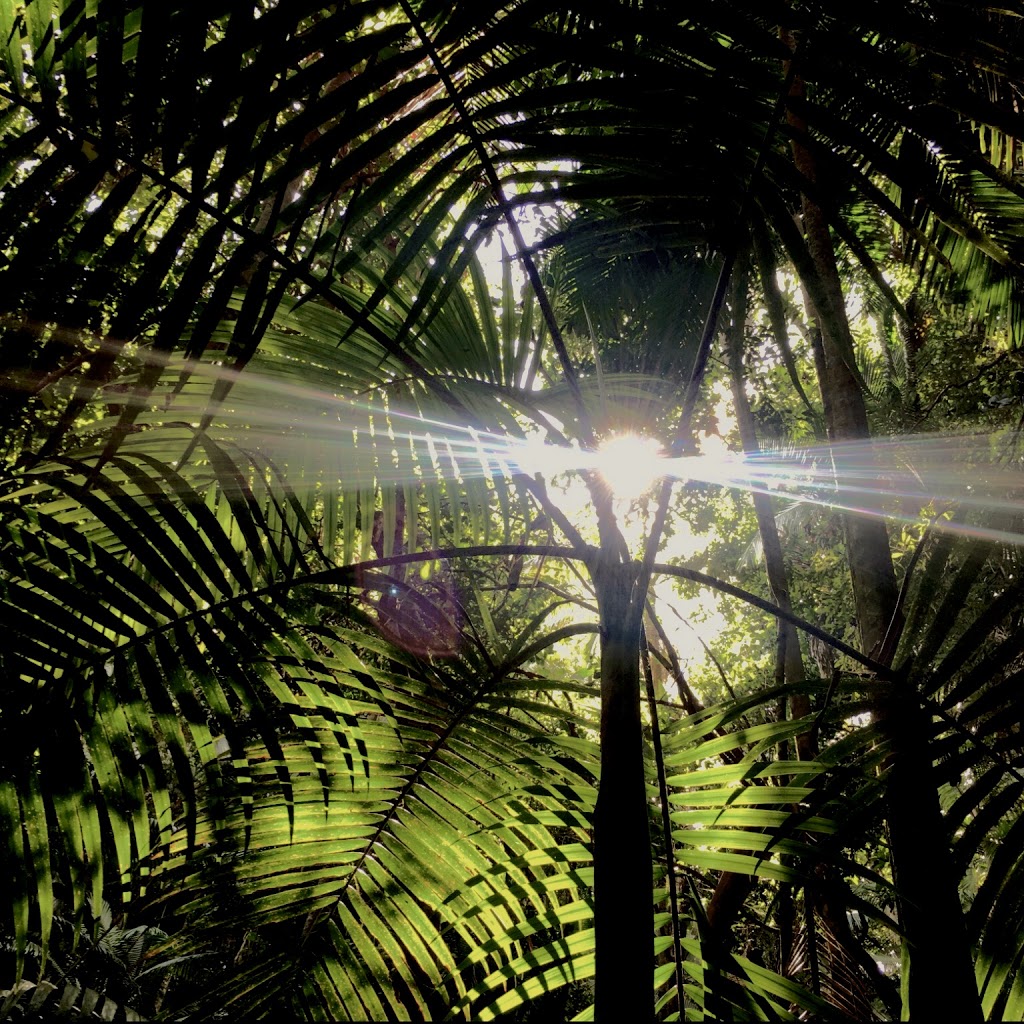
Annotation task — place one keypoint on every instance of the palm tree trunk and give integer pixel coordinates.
(732, 888)
(867, 539)
(940, 982)
(775, 566)
(623, 878)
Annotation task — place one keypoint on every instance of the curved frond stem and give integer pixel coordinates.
(880, 670)
(611, 537)
(666, 820)
(549, 640)
(437, 747)
(342, 574)
(894, 633)
(498, 194)
(536, 486)
(935, 708)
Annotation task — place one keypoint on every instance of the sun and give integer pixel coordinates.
(629, 464)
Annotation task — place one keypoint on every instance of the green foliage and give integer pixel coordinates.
(291, 718)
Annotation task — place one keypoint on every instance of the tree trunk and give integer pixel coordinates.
(775, 566)
(940, 982)
(867, 539)
(732, 889)
(623, 877)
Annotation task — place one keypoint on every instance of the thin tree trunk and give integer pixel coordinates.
(940, 984)
(732, 889)
(775, 565)
(623, 876)
(867, 539)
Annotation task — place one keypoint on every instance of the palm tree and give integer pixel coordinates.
(200, 212)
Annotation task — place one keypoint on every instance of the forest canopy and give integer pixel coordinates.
(511, 509)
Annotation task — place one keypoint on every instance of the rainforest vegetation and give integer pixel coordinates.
(511, 509)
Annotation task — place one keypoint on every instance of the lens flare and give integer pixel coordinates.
(974, 478)
(629, 464)
(973, 483)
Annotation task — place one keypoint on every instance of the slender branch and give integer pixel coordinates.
(352, 575)
(611, 536)
(882, 671)
(666, 817)
(349, 573)
(707, 650)
(494, 182)
(958, 385)
(897, 623)
(548, 640)
(539, 490)
(683, 439)
(671, 661)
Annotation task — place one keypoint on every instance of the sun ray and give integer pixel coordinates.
(909, 479)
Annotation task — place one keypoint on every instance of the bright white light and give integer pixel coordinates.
(534, 455)
(713, 447)
(629, 464)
